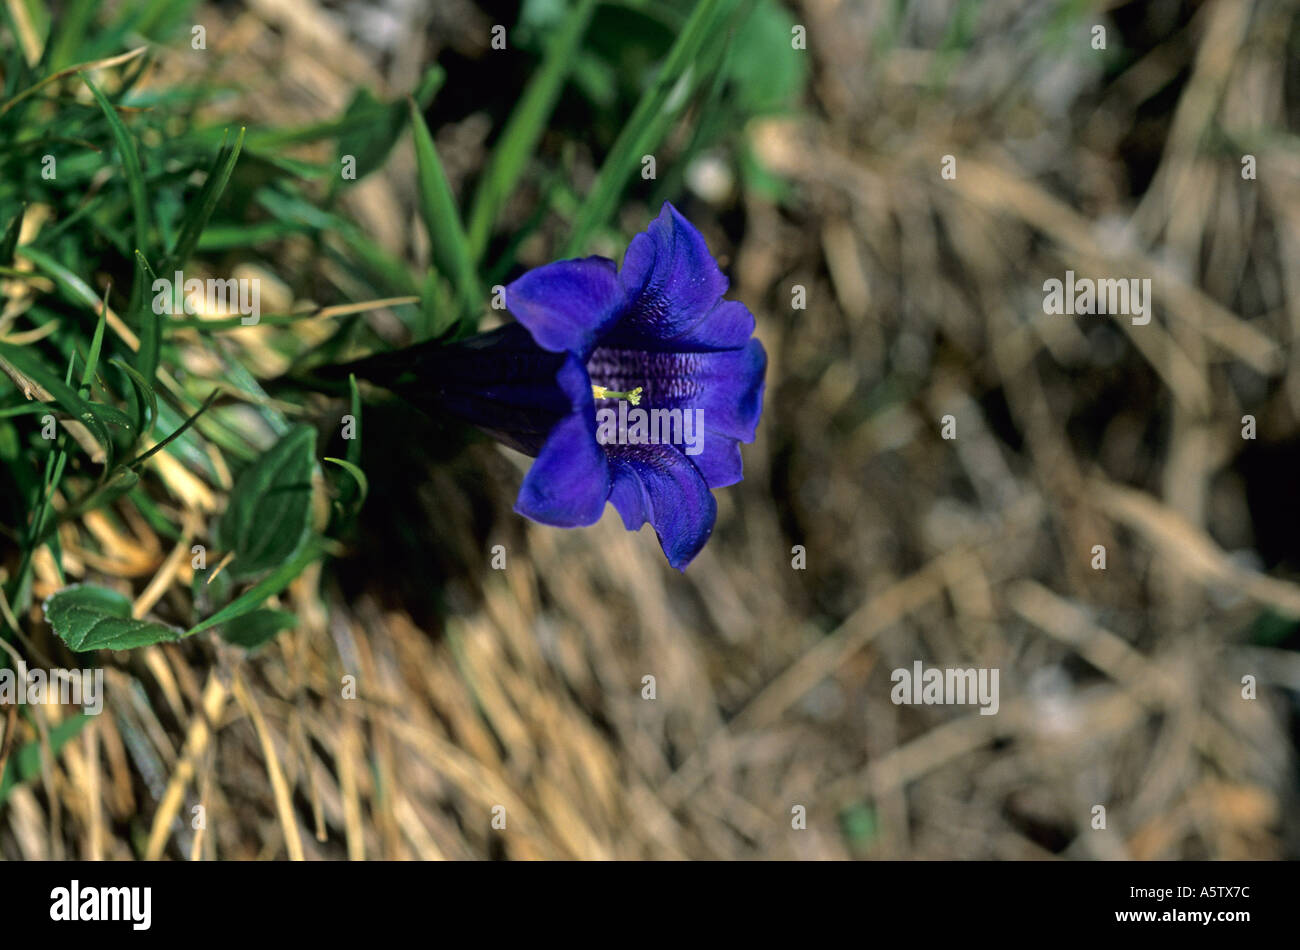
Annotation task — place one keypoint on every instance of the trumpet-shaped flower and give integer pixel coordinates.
(595, 341)
(655, 333)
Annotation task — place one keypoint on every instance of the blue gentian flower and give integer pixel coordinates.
(656, 334)
(593, 339)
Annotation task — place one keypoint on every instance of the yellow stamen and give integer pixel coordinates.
(600, 392)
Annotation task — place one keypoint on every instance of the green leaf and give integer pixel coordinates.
(26, 762)
(624, 44)
(767, 73)
(269, 515)
(257, 628)
(130, 165)
(372, 127)
(369, 144)
(275, 140)
(438, 208)
(1270, 628)
(93, 618)
(860, 824)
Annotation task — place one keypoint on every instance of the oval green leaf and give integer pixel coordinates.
(94, 618)
(269, 515)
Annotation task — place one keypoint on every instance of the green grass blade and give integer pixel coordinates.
(73, 287)
(148, 323)
(196, 219)
(96, 344)
(130, 165)
(438, 208)
(147, 399)
(254, 597)
(179, 431)
(357, 474)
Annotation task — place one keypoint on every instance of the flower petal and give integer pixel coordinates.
(733, 395)
(567, 305)
(718, 460)
(673, 292)
(658, 484)
(570, 481)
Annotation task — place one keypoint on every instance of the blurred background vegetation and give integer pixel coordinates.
(359, 682)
